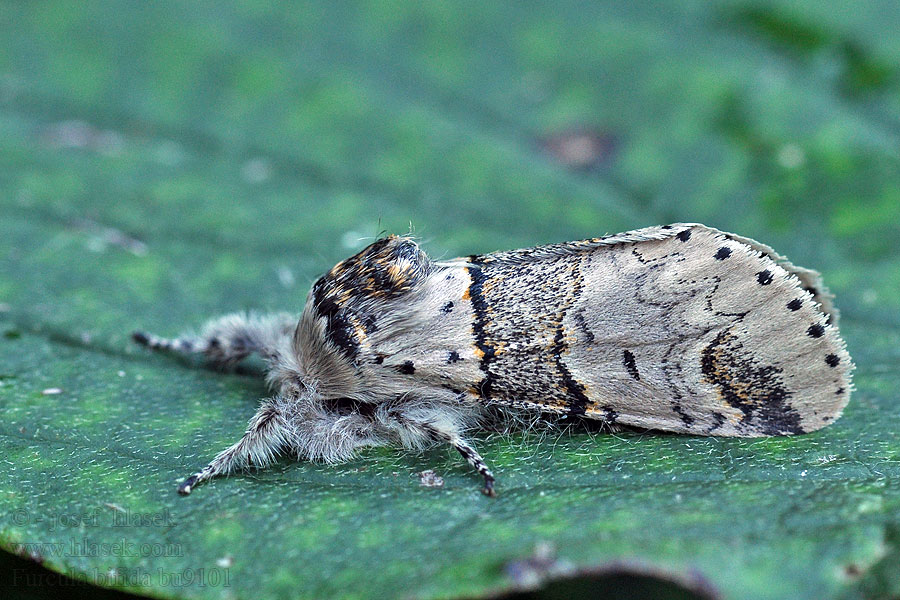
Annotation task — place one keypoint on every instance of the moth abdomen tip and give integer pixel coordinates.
(141, 338)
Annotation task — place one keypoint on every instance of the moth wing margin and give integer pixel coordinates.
(810, 279)
(749, 362)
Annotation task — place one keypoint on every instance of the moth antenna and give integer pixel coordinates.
(225, 341)
(184, 345)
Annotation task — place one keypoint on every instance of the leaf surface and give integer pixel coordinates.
(163, 163)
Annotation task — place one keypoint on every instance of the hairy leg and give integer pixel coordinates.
(441, 429)
(267, 436)
(278, 428)
(225, 341)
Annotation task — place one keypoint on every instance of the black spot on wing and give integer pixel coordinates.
(608, 414)
(518, 333)
(447, 308)
(816, 331)
(795, 304)
(630, 365)
(453, 357)
(764, 277)
(723, 253)
(407, 368)
(684, 235)
(685, 418)
(833, 360)
(718, 421)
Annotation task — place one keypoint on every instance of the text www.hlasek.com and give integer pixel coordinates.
(84, 547)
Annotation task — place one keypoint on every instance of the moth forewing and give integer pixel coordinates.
(695, 332)
(681, 328)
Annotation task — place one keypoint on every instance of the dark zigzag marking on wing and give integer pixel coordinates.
(575, 391)
(480, 308)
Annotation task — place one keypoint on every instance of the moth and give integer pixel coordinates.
(678, 328)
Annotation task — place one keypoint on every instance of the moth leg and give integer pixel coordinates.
(277, 427)
(474, 459)
(449, 436)
(225, 341)
(267, 435)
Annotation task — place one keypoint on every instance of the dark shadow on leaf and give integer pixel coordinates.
(26, 579)
(615, 580)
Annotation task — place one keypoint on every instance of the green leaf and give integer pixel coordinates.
(167, 162)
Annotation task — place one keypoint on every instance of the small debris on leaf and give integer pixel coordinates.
(430, 479)
(226, 561)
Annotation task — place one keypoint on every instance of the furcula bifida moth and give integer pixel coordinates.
(678, 328)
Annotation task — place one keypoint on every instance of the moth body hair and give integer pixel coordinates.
(679, 328)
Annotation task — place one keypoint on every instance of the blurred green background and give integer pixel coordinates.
(162, 162)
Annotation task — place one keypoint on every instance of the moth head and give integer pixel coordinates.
(385, 269)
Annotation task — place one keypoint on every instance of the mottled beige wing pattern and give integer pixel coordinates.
(680, 328)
